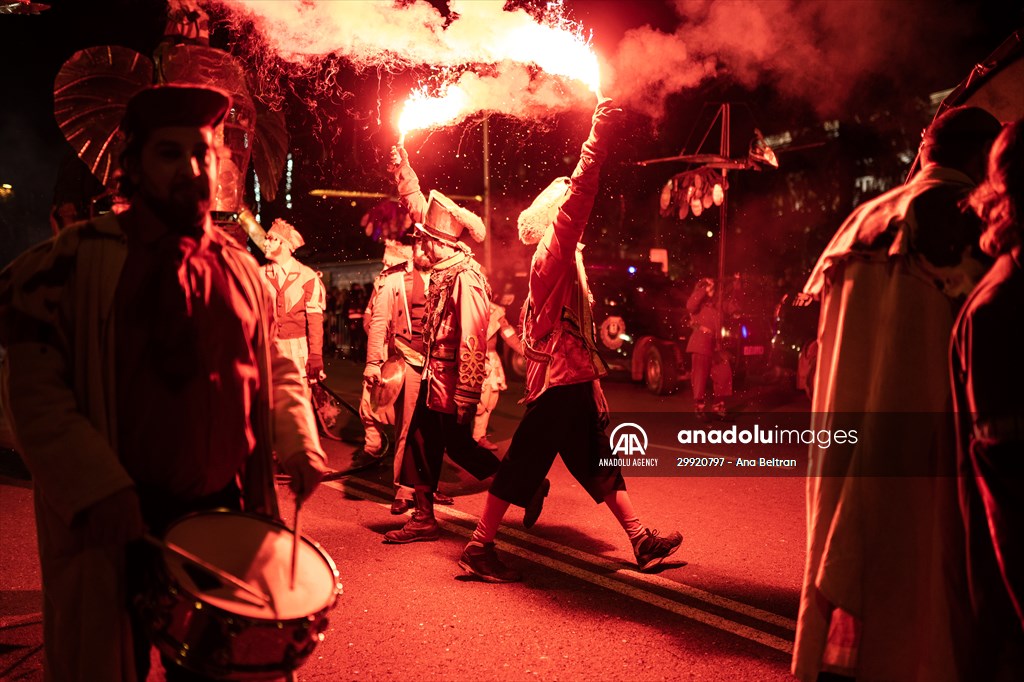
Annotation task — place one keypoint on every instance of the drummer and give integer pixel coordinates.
(140, 363)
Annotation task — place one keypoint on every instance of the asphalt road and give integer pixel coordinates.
(722, 608)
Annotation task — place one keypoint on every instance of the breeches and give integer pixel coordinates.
(562, 421)
(433, 433)
(488, 401)
(297, 350)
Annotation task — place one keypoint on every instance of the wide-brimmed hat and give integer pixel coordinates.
(287, 233)
(541, 214)
(392, 378)
(163, 106)
(445, 220)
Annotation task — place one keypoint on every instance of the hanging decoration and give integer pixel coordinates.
(693, 192)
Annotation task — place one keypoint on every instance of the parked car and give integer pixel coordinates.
(642, 324)
(639, 315)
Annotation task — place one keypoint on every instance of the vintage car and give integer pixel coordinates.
(642, 324)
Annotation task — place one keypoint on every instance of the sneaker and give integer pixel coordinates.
(482, 561)
(485, 443)
(536, 505)
(651, 549)
(700, 411)
(720, 411)
(441, 498)
(420, 528)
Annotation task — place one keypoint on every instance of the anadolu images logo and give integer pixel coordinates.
(628, 439)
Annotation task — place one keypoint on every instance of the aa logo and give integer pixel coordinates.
(628, 439)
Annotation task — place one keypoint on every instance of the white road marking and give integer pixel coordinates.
(617, 584)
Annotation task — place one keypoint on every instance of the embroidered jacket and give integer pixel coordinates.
(455, 317)
(455, 333)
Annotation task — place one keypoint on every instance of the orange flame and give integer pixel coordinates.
(423, 111)
(556, 50)
(564, 56)
(555, 45)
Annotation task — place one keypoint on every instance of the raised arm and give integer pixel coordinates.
(583, 185)
(700, 292)
(408, 184)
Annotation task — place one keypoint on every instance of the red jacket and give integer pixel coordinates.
(299, 301)
(558, 324)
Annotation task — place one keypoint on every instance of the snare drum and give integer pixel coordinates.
(219, 630)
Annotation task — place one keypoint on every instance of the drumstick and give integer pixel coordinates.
(295, 542)
(220, 573)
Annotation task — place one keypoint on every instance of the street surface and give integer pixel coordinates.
(722, 608)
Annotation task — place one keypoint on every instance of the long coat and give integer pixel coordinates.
(57, 324)
(882, 539)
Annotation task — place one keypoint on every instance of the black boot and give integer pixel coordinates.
(422, 527)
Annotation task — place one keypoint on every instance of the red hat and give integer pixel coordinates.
(287, 233)
(162, 106)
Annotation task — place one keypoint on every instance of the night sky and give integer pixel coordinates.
(874, 78)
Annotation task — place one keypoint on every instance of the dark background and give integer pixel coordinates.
(849, 145)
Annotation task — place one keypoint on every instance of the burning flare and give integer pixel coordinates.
(557, 50)
(555, 46)
(490, 58)
(423, 111)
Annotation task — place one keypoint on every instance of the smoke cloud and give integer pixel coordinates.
(818, 51)
(651, 65)
(497, 57)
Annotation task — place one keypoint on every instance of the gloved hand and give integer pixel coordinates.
(464, 413)
(371, 375)
(399, 158)
(605, 123)
(114, 520)
(306, 470)
(314, 368)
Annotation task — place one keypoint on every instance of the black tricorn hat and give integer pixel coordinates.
(164, 106)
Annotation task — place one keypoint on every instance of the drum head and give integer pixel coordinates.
(258, 552)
